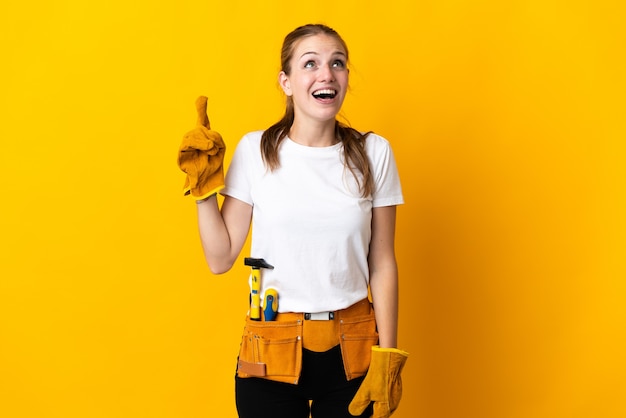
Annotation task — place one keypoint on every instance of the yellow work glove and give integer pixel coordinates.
(201, 157)
(382, 384)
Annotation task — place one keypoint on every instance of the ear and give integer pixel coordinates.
(283, 80)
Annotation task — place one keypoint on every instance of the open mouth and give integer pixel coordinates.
(325, 94)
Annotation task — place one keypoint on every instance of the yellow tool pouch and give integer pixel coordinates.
(273, 349)
(357, 331)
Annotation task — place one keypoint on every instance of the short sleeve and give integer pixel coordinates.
(387, 186)
(238, 176)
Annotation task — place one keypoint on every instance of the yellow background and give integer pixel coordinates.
(507, 120)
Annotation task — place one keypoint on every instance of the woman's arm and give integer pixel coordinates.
(384, 275)
(223, 232)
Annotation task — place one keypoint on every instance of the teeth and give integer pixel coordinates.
(325, 92)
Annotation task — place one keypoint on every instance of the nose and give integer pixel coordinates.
(326, 73)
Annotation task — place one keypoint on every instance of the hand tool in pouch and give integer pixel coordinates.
(255, 285)
(270, 304)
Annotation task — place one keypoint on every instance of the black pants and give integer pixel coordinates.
(322, 381)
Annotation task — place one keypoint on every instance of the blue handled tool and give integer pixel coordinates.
(270, 304)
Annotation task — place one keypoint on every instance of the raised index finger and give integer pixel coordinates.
(203, 118)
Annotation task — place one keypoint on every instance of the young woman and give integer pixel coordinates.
(321, 198)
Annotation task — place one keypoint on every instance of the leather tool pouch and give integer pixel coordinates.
(358, 335)
(271, 350)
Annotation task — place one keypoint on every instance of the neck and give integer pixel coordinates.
(313, 135)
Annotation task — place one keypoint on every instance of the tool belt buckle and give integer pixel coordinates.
(319, 316)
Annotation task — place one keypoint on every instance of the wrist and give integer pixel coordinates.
(205, 199)
(390, 350)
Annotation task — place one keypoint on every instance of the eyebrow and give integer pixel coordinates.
(315, 53)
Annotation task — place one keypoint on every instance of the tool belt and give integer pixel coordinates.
(273, 349)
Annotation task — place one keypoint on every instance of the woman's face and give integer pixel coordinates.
(319, 78)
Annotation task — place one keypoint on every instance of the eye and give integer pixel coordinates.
(338, 64)
(309, 64)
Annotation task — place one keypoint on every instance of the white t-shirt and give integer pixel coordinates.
(309, 220)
